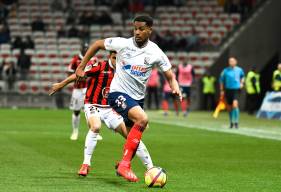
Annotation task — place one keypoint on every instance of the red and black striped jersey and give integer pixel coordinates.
(76, 60)
(99, 78)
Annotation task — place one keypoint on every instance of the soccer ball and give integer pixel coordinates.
(155, 177)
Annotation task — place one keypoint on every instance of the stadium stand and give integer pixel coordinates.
(196, 28)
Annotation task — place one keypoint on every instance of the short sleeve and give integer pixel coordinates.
(242, 74)
(71, 67)
(92, 68)
(114, 43)
(163, 62)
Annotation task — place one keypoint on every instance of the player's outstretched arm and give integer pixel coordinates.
(173, 83)
(94, 48)
(58, 86)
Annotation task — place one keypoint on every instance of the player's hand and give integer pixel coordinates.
(80, 74)
(178, 93)
(241, 85)
(55, 88)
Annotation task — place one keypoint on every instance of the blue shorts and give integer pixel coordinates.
(185, 91)
(122, 103)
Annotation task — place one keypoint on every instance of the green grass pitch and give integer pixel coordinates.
(199, 153)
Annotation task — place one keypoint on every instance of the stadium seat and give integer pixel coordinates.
(15, 52)
(182, 56)
(203, 38)
(45, 87)
(22, 87)
(193, 56)
(215, 39)
(35, 87)
(228, 23)
(236, 17)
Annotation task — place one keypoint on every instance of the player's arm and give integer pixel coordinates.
(242, 79)
(173, 83)
(94, 48)
(58, 86)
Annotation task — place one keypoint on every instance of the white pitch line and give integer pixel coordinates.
(263, 134)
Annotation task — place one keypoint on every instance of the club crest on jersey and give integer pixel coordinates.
(146, 60)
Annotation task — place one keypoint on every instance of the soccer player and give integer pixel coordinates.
(167, 94)
(96, 109)
(152, 88)
(231, 82)
(185, 75)
(78, 93)
(135, 59)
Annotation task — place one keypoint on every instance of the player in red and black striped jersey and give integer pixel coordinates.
(99, 76)
(78, 93)
(99, 79)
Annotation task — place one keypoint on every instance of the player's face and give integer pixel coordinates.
(232, 62)
(141, 32)
(112, 58)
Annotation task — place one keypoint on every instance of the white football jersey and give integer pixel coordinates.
(134, 65)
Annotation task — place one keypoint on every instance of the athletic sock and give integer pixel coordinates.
(184, 105)
(176, 107)
(132, 142)
(236, 115)
(90, 145)
(144, 155)
(75, 122)
(231, 116)
(165, 105)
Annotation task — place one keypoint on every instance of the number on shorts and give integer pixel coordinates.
(120, 101)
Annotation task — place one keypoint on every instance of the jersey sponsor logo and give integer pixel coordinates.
(135, 70)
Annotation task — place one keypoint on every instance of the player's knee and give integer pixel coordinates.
(95, 128)
(143, 120)
(76, 113)
(235, 104)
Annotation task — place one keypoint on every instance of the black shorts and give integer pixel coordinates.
(231, 95)
(185, 91)
(167, 95)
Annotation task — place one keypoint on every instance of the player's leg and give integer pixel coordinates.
(132, 110)
(156, 97)
(140, 119)
(165, 103)
(186, 100)
(91, 140)
(76, 105)
(229, 96)
(142, 152)
(75, 125)
(175, 103)
(235, 108)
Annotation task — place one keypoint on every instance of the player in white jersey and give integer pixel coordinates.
(135, 58)
(97, 110)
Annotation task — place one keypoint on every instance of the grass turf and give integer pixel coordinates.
(37, 155)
